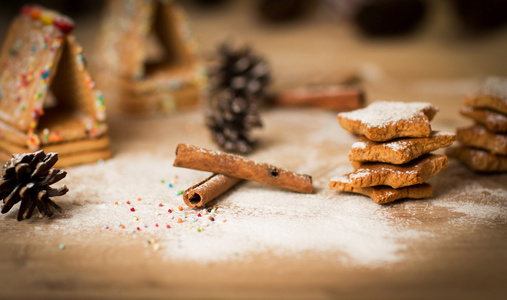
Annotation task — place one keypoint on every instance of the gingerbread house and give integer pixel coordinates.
(147, 58)
(47, 98)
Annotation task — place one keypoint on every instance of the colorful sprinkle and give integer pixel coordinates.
(128, 202)
(169, 210)
(122, 226)
(180, 220)
(135, 218)
(132, 209)
(156, 224)
(139, 199)
(180, 208)
(199, 215)
(167, 226)
(62, 246)
(211, 218)
(160, 204)
(115, 202)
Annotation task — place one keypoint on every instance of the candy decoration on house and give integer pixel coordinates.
(27, 178)
(48, 99)
(147, 58)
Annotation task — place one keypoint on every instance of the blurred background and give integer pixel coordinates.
(408, 50)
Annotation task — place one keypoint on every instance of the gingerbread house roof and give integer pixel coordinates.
(148, 58)
(128, 27)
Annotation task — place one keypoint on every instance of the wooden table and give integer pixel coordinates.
(458, 260)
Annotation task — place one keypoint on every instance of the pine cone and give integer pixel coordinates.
(27, 178)
(238, 84)
(239, 70)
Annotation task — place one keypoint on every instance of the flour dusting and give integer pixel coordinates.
(251, 218)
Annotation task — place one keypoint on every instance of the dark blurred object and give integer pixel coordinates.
(333, 97)
(279, 11)
(390, 17)
(211, 3)
(481, 15)
(71, 8)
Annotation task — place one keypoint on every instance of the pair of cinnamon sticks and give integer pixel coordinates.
(229, 169)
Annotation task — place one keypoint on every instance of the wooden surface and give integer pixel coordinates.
(439, 65)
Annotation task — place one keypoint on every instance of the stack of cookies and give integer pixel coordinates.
(392, 159)
(484, 145)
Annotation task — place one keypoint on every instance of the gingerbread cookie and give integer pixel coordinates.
(479, 160)
(414, 172)
(493, 121)
(385, 120)
(399, 151)
(383, 194)
(47, 97)
(492, 95)
(479, 137)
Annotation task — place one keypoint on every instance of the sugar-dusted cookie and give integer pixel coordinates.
(479, 160)
(414, 172)
(399, 151)
(383, 194)
(478, 137)
(492, 95)
(387, 120)
(493, 121)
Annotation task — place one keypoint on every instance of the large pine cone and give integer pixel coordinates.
(242, 72)
(238, 83)
(26, 178)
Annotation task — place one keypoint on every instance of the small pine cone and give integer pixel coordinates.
(26, 178)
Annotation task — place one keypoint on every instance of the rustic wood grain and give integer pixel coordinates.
(469, 262)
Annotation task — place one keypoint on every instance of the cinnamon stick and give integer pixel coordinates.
(192, 157)
(208, 189)
(339, 98)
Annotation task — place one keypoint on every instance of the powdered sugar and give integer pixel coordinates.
(259, 218)
(442, 133)
(359, 145)
(383, 113)
(397, 145)
(495, 86)
(496, 118)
